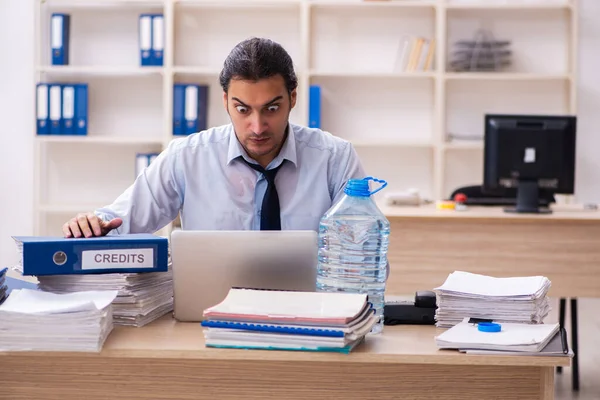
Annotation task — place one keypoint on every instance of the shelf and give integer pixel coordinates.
(396, 120)
(103, 3)
(66, 209)
(99, 139)
(207, 71)
(372, 74)
(474, 145)
(505, 76)
(372, 4)
(521, 5)
(116, 70)
(392, 143)
(239, 3)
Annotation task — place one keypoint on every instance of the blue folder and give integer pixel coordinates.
(196, 108)
(68, 109)
(81, 109)
(294, 330)
(55, 97)
(145, 39)
(158, 42)
(43, 109)
(59, 37)
(314, 107)
(178, 109)
(131, 253)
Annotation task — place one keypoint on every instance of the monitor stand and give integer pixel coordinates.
(528, 199)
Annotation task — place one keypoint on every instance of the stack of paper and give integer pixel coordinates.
(3, 287)
(31, 320)
(512, 338)
(280, 320)
(467, 295)
(142, 297)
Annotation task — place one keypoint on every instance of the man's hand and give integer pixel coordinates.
(88, 225)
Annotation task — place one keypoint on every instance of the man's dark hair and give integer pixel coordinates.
(258, 58)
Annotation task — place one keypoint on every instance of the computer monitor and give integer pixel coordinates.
(530, 153)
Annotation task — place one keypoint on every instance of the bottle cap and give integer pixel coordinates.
(489, 327)
(360, 187)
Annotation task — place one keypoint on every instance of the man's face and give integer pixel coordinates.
(259, 112)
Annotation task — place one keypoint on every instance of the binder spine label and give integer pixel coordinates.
(117, 258)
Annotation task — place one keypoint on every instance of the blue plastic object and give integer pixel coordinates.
(489, 327)
(360, 187)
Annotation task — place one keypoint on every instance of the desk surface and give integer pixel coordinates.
(167, 339)
(560, 212)
(168, 360)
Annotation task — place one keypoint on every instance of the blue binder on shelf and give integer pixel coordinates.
(179, 109)
(59, 38)
(43, 109)
(81, 109)
(68, 109)
(129, 253)
(55, 108)
(145, 39)
(158, 39)
(314, 106)
(196, 108)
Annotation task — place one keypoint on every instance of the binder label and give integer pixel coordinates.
(68, 102)
(57, 30)
(117, 258)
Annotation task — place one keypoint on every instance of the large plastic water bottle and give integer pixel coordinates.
(353, 245)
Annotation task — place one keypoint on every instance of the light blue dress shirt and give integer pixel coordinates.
(202, 177)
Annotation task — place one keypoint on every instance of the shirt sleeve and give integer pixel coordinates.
(152, 201)
(346, 166)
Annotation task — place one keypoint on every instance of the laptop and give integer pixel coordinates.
(206, 264)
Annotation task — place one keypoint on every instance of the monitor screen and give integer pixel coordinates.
(529, 153)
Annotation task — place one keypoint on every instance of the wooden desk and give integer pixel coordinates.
(168, 360)
(428, 244)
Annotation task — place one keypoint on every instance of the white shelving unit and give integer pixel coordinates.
(398, 121)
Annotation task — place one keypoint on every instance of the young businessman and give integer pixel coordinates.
(259, 172)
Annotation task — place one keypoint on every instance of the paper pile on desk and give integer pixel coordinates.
(142, 297)
(281, 320)
(31, 320)
(513, 338)
(467, 295)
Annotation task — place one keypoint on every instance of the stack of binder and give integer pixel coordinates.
(3, 287)
(282, 320)
(136, 266)
(62, 108)
(190, 108)
(509, 300)
(31, 320)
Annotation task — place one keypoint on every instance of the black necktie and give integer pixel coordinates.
(270, 219)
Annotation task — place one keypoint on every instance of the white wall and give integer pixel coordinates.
(587, 184)
(17, 123)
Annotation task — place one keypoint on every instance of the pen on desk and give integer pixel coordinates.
(563, 338)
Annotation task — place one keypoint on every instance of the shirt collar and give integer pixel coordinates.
(287, 152)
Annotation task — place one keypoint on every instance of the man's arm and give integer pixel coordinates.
(345, 165)
(152, 201)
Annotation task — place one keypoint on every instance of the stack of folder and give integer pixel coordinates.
(31, 320)
(283, 320)
(136, 266)
(510, 300)
(3, 287)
